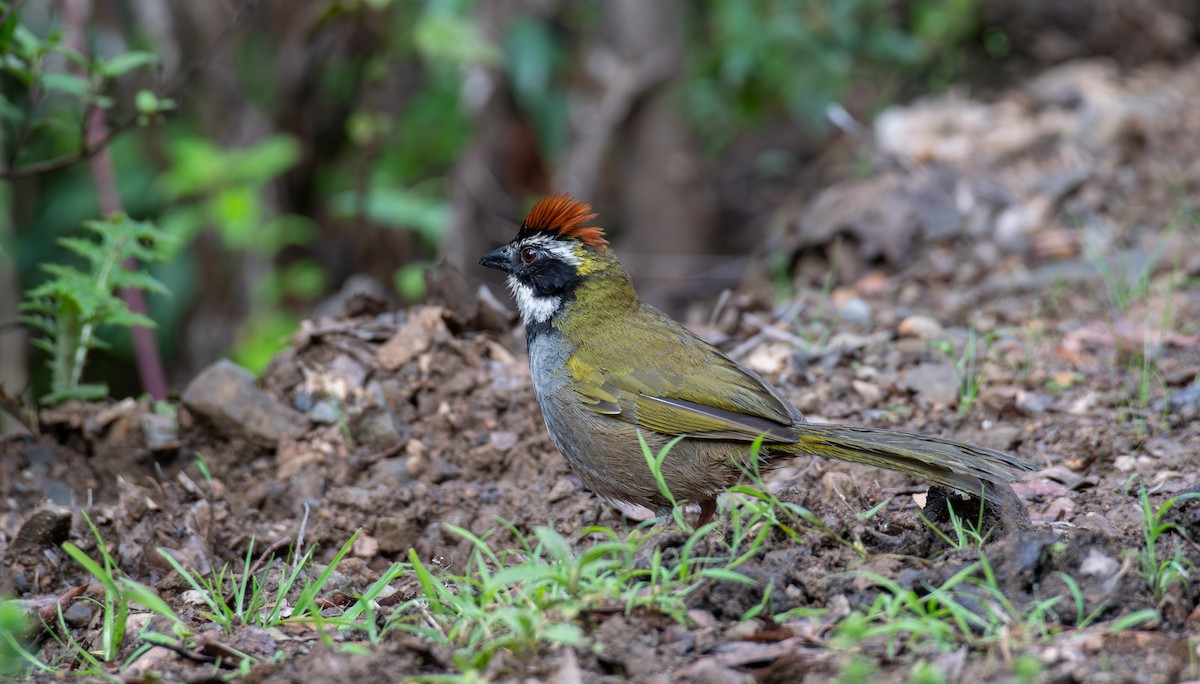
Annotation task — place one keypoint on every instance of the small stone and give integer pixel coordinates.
(79, 614)
(161, 431)
(46, 528)
(41, 458)
(325, 412)
(856, 312)
(503, 440)
(562, 489)
(710, 671)
(1184, 401)
(390, 472)
(921, 327)
(1060, 509)
(395, 535)
(414, 338)
(155, 659)
(1033, 403)
(226, 396)
(1097, 564)
(935, 383)
(444, 471)
(365, 546)
(869, 391)
(743, 630)
(372, 423)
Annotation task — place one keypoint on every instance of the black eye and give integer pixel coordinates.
(529, 255)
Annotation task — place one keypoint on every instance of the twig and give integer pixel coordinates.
(624, 85)
(91, 147)
(299, 554)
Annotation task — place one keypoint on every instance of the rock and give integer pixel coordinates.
(365, 546)
(423, 326)
(502, 440)
(79, 614)
(1062, 508)
(869, 391)
(395, 535)
(390, 472)
(562, 489)
(921, 327)
(444, 471)
(1097, 564)
(225, 395)
(1184, 401)
(161, 431)
(372, 423)
(935, 383)
(46, 528)
(325, 412)
(856, 312)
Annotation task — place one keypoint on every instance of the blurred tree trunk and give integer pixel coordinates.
(500, 165)
(14, 350)
(667, 207)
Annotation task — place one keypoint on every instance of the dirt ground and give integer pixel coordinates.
(1050, 235)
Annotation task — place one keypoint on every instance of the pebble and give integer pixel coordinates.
(161, 431)
(414, 337)
(869, 391)
(395, 535)
(921, 327)
(743, 630)
(502, 440)
(1184, 401)
(372, 423)
(46, 528)
(1099, 565)
(225, 395)
(562, 489)
(325, 412)
(935, 383)
(856, 312)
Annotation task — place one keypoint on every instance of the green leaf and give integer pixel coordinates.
(453, 39)
(397, 208)
(146, 596)
(127, 62)
(129, 319)
(84, 392)
(726, 575)
(65, 83)
(554, 544)
(563, 633)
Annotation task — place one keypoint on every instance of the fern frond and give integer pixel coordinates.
(72, 304)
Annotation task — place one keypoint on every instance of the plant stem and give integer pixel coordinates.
(150, 369)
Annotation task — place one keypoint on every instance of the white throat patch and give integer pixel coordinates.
(534, 309)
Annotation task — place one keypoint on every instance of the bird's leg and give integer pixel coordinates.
(708, 507)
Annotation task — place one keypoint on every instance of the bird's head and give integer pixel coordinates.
(554, 253)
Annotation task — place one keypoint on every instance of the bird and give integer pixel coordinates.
(610, 370)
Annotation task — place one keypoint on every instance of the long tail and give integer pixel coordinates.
(970, 469)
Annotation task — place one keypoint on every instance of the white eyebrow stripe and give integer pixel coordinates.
(562, 249)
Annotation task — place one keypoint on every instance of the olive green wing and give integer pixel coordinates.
(687, 388)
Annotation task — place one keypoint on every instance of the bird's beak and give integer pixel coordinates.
(499, 258)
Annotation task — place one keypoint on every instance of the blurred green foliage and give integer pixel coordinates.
(756, 61)
(70, 307)
(395, 79)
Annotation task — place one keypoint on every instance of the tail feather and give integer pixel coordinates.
(971, 469)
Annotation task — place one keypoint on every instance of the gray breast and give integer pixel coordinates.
(568, 422)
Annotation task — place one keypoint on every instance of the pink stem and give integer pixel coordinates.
(95, 131)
